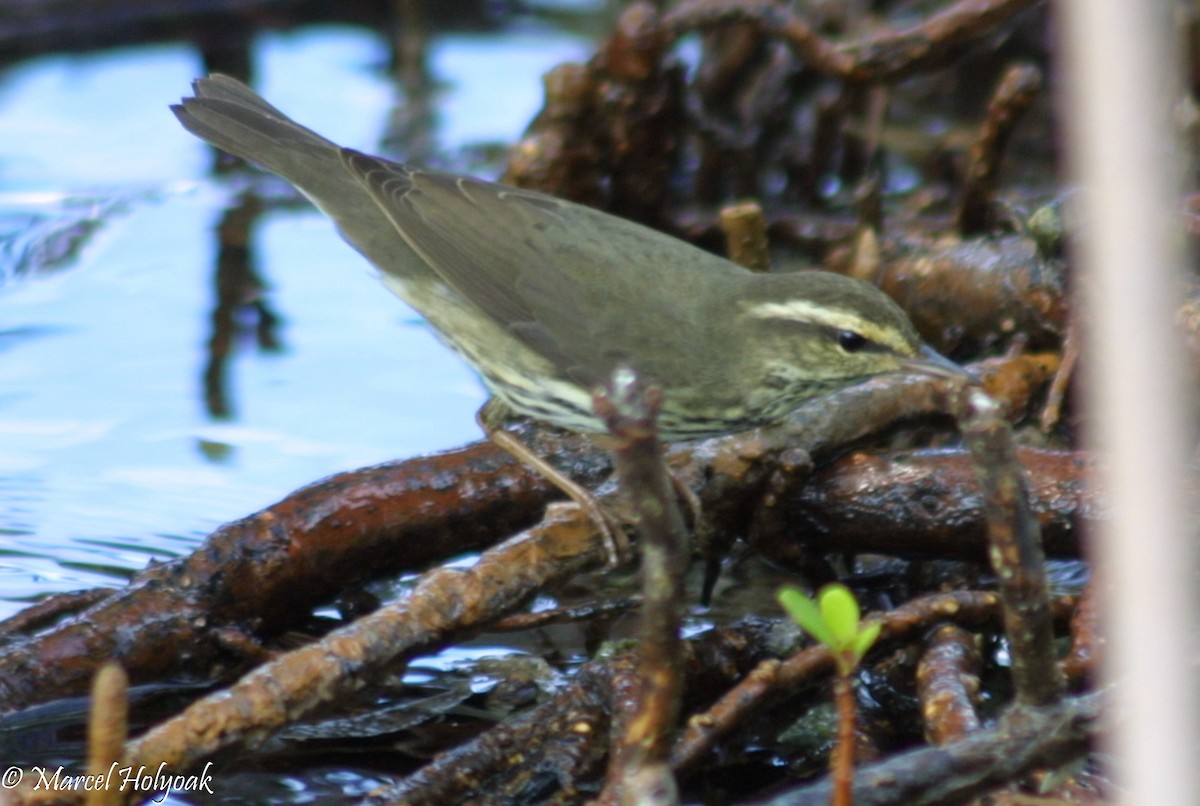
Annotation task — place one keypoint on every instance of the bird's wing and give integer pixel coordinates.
(559, 276)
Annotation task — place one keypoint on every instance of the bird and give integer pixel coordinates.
(544, 298)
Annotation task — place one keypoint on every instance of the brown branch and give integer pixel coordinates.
(931, 43)
(262, 574)
(1024, 740)
(108, 727)
(638, 772)
(1015, 382)
(566, 736)
(444, 602)
(51, 610)
(745, 230)
(560, 152)
(926, 504)
(1057, 393)
(563, 615)
(1013, 96)
(833, 421)
(816, 51)
(639, 114)
(948, 685)
(1014, 548)
(884, 57)
(967, 296)
(758, 689)
(1087, 642)
(831, 110)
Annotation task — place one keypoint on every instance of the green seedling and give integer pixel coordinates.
(833, 619)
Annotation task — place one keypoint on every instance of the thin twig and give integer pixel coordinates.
(745, 229)
(1012, 98)
(638, 770)
(108, 727)
(1015, 548)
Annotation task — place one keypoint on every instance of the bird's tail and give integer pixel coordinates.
(232, 117)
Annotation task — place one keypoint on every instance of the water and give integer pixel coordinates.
(108, 454)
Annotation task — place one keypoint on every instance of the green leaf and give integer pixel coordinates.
(839, 610)
(866, 639)
(805, 612)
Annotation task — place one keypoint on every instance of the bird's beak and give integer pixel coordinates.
(931, 362)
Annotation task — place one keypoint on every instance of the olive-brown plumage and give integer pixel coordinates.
(544, 297)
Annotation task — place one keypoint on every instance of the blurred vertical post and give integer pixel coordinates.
(1123, 81)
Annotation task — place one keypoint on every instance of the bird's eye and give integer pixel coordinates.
(850, 341)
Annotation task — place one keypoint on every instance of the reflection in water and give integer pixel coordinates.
(413, 119)
(131, 411)
(51, 234)
(241, 307)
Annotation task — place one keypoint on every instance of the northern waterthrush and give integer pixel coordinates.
(544, 297)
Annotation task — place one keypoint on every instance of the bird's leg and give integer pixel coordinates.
(692, 501)
(703, 535)
(491, 419)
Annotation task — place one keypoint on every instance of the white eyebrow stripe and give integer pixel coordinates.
(802, 311)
